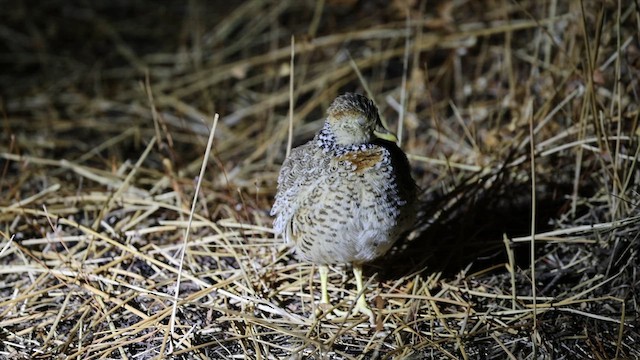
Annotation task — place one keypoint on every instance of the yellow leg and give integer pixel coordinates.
(325, 302)
(361, 302)
(324, 273)
(360, 305)
(324, 298)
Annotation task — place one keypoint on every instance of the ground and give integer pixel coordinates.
(115, 244)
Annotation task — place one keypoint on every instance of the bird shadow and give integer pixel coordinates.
(464, 228)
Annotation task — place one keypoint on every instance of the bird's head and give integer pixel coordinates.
(354, 119)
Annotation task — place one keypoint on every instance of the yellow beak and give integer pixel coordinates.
(384, 133)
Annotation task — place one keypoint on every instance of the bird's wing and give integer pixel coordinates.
(299, 172)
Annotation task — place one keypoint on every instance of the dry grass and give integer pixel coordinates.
(108, 250)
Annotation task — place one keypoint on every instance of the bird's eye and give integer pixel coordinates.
(361, 120)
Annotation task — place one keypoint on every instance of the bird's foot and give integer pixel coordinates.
(330, 312)
(325, 309)
(362, 307)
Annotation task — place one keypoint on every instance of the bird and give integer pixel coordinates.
(347, 195)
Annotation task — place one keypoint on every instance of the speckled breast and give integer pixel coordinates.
(355, 211)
